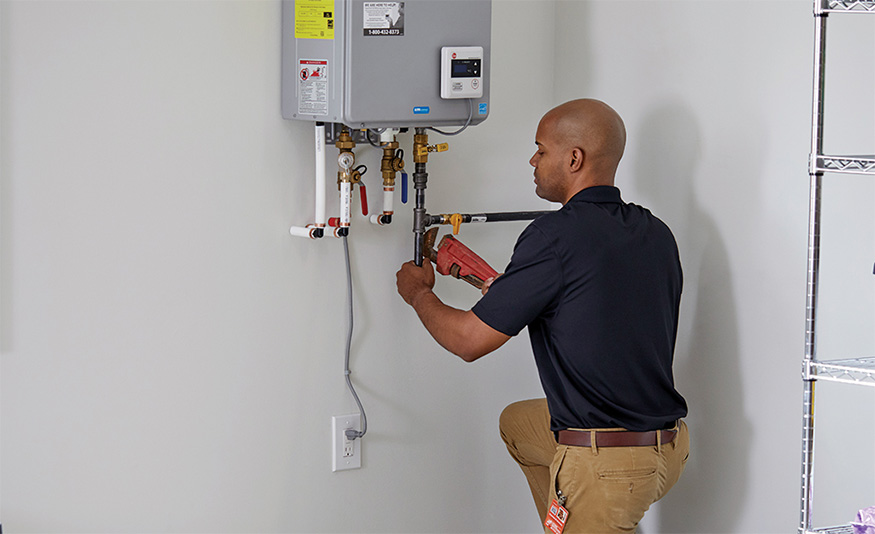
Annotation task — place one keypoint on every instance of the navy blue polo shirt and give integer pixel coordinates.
(598, 283)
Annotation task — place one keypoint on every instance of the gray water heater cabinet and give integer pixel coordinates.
(383, 64)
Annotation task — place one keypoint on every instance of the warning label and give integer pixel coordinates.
(314, 19)
(383, 18)
(313, 87)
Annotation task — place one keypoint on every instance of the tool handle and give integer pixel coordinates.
(473, 280)
(470, 278)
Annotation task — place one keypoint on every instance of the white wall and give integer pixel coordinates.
(171, 358)
(717, 99)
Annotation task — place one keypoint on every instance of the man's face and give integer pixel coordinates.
(548, 163)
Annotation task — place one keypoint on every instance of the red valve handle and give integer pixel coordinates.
(334, 222)
(364, 199)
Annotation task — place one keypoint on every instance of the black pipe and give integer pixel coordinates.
(420, 179)
(508, 216)
(504, 216)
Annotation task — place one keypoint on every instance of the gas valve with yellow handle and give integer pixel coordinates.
(456, 221)
(423, 150)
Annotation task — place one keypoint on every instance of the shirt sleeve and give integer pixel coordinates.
(529, 286)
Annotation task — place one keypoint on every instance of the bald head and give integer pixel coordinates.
(580, 144)
(596, 129)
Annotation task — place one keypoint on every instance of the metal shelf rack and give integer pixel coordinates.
(843, 529)
(846, 164)
(836, 6)
(849, 371)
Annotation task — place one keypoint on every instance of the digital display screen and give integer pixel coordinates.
(466, 68)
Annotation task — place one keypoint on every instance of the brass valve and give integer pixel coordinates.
(344, 141)
(420, 141)
(423, 150)
(352, 176)
(345, 158)
(345, 172)
(391, 163)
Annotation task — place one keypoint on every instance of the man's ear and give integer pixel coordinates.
(576, 159)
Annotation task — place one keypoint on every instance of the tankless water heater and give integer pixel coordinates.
(386, 64)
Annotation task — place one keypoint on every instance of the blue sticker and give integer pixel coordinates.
(482, 108)
(421, 110)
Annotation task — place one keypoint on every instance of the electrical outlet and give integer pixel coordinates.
(345, 453)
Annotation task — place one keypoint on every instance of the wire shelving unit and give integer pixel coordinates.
(849, 371)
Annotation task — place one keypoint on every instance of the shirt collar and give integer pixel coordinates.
(598, 193)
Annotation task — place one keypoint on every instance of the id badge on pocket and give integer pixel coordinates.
(557, 516)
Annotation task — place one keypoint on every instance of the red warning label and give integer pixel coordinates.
(313, 86)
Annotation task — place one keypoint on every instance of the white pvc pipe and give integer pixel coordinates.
(300, 231)
(388, 200)
(320, 175)
(388, 206)
(345, 204)
(308, 231)
(388, 135)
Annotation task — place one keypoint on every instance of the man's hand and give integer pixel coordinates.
(460, 332)
(413, 281)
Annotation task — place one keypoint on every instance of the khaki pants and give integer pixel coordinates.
(608, 488)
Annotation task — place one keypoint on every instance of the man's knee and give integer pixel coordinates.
(507, 418)
(522, 416)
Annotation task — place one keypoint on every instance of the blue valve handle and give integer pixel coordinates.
(404, 188)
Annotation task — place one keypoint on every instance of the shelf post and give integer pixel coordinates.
(814, 204)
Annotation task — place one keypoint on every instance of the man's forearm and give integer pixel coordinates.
(442, 321)
(460, 332)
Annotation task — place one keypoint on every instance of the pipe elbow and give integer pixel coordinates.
(308, 231)
(381, 219)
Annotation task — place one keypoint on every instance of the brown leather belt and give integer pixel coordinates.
(626, 438)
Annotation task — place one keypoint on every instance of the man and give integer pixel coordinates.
(598, 284)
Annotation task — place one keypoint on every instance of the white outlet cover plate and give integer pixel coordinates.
(339, 424)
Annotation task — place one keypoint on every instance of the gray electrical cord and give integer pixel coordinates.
(462, 129)
(350, 433)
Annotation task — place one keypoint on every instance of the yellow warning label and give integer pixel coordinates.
(314, 19)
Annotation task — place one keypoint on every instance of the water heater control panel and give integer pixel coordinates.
(461, 72)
